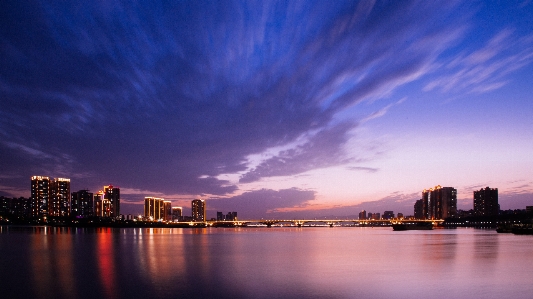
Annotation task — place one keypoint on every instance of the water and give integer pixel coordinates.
(322, 262)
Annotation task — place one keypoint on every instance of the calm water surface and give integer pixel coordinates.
(338, 262)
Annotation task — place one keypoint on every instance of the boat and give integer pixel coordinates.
(420, 225)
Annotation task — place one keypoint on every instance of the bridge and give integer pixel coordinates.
(309, 222)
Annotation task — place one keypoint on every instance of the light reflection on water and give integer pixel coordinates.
(340, 262)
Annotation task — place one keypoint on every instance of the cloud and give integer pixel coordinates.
(323, 149)
(485, 69)
(366, 169)
(262, 203)
(169, 96)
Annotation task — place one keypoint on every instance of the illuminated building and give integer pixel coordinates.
(439, 203)
(177, 212)
(374, 216)
(82, 204)
(362, 215)
(59, 203)
(486, 202)
(102, 205)
(112, 194)
(167, 210)
(153, 208)
(198, 210)
(40, 195)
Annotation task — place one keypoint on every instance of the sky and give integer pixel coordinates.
(273, 109)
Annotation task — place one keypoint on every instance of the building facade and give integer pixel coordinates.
(40, 196)
(439, 203)
(153, 208)
(198, 210)
(177, 212)
(60, 200)
(419, 209)
(82, 204)
(167, 210)
(112, 194)
(486, 202)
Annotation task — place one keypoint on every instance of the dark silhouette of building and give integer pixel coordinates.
(15, 207)
(388, 215)
(419, 209)
(439, 202)
(82, 204)
(486, 202)
(198, 210)
(362, 215)
(177, 213)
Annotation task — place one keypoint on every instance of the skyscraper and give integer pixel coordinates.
(102, 206)
(198, 210)
(419, 209)
(439, 202)
(167, 210)
(176, 213)
(82, 204)
(59, 203)
(40, 196)
(153, 208)
(113, 195)
(486, 202)
(362, 215)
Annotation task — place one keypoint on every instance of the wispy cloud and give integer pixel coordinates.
(487, 68)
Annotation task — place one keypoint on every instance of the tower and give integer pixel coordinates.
(82, 204)
(40, 195)
(112, 194)
(198, 210)
(153, 208)
(486, 202)
(439, 202)
(59, 203)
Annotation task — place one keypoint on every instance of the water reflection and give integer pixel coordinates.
(263, 263)
(105, 261)
(52, 261)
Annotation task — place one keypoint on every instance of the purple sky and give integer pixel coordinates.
(271, 109)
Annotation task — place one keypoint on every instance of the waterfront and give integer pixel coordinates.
(287, 262)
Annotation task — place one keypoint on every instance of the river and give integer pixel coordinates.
(277, 262)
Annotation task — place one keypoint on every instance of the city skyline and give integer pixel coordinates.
(274, 109)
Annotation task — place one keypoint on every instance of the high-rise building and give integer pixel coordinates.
(113, 195)
(439, 202)
(59, 202)
(388, 215)
(40, 196)
(102, 205)
(486, 202)
(198, 210)
(153, 208)
(82, 204)
(15, 207)
(362, 215)
(167, 210)
(419, 209)
(177, 212)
